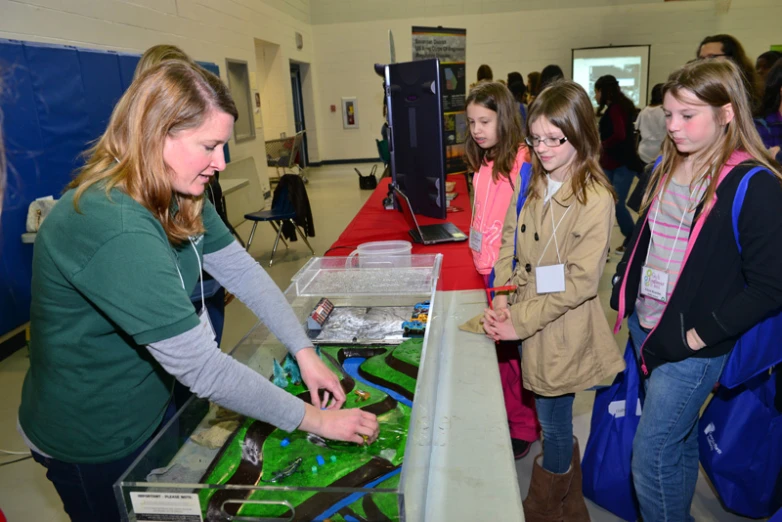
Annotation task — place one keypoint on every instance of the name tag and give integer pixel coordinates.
(654, 284)
(550, 279)
(476, 238)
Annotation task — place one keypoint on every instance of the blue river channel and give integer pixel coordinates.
(351, 367)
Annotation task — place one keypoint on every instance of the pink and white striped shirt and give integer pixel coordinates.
(670, 220)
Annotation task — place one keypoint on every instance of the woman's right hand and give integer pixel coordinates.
(350, 425)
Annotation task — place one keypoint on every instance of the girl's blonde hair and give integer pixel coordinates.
(164, 100)
(716, 83)
(566, 105)
(158, 54)
(510, 136)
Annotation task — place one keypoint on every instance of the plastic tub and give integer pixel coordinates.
(380, 254)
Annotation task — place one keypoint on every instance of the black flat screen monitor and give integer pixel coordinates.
(416, 146)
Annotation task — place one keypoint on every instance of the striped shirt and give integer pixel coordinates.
(667, 247)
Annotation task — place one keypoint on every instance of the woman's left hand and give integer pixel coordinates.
(694, 340)
(498, 326)
(317, 376)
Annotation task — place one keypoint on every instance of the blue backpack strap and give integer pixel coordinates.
(525, 175)
(738, 201)
(657, 162)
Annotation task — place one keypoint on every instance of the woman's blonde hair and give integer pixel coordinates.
(566, 105)
(510, 136)
(158, 54)
(716, 83)
(164, 100)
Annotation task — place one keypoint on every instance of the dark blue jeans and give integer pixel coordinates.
(622, 179)
(556, 421)
(86, 490)
(665, 448)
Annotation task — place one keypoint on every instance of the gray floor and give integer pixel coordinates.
(26, 495)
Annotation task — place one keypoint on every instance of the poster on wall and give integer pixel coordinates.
(450, 46)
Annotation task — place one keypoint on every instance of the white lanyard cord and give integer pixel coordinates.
(554, 233)
(200, 274)
(485, 202)
(678, 230)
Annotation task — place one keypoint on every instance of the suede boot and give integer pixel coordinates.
(547, 491)
(574, 508)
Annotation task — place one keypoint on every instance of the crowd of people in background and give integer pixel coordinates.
(714, 119)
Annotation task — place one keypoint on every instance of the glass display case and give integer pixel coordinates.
(208, 464)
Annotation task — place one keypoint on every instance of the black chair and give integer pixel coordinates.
(283, 211)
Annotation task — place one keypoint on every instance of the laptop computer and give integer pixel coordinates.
(427, 234)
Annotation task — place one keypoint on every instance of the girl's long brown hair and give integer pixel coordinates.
(716, 83)
(510, 136)
(566, 105)
(162, 101)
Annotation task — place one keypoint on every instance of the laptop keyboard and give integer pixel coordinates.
(436, 233)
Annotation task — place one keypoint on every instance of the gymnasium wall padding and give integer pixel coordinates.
(56, 101)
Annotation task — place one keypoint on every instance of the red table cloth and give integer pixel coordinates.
(374, 223)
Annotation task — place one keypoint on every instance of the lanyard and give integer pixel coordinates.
(554, 233)
(200, 272)
(678, 230)
(485, 202)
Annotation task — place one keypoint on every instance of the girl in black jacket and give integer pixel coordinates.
(688, 292)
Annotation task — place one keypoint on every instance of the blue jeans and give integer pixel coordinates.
(86, 490)
(665, 448)
(622, 179)
(556, 421)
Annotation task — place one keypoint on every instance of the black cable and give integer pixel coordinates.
(14, 461)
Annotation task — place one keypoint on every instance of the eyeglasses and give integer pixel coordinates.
(534, 141)
(711, 56)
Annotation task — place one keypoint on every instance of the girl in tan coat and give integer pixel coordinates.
(554, 252)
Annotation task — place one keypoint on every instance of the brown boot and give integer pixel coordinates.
(544, 502)
(574, 508)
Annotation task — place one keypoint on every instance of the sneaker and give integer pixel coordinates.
(620, 249)
(520, 448)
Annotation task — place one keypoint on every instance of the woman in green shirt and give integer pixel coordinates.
(112, 325)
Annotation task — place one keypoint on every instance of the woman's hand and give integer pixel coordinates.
(694, 340)
(498, 326)
(316, 375)
(352, 425)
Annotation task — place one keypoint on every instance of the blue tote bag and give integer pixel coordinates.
(740, 438)
(758, 349)
(607, 478)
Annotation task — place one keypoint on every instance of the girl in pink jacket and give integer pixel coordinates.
(495, 152)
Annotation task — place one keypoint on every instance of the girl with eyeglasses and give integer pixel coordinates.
(495, 152)
(686, 287)
(554, 253)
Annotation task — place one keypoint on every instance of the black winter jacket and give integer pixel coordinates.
(720, 293)
(291, 195)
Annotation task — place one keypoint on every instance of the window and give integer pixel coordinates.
(239, 85)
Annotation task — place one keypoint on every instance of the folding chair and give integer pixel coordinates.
(282, 211)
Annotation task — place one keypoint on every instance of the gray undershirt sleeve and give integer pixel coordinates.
(241, 275)
(195, 360)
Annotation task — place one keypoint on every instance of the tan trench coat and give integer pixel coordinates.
(568, 345)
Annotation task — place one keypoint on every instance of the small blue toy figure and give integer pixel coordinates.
(413, 328)
(279, 378)
(291, 368)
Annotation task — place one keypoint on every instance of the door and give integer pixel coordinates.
(298, 110)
